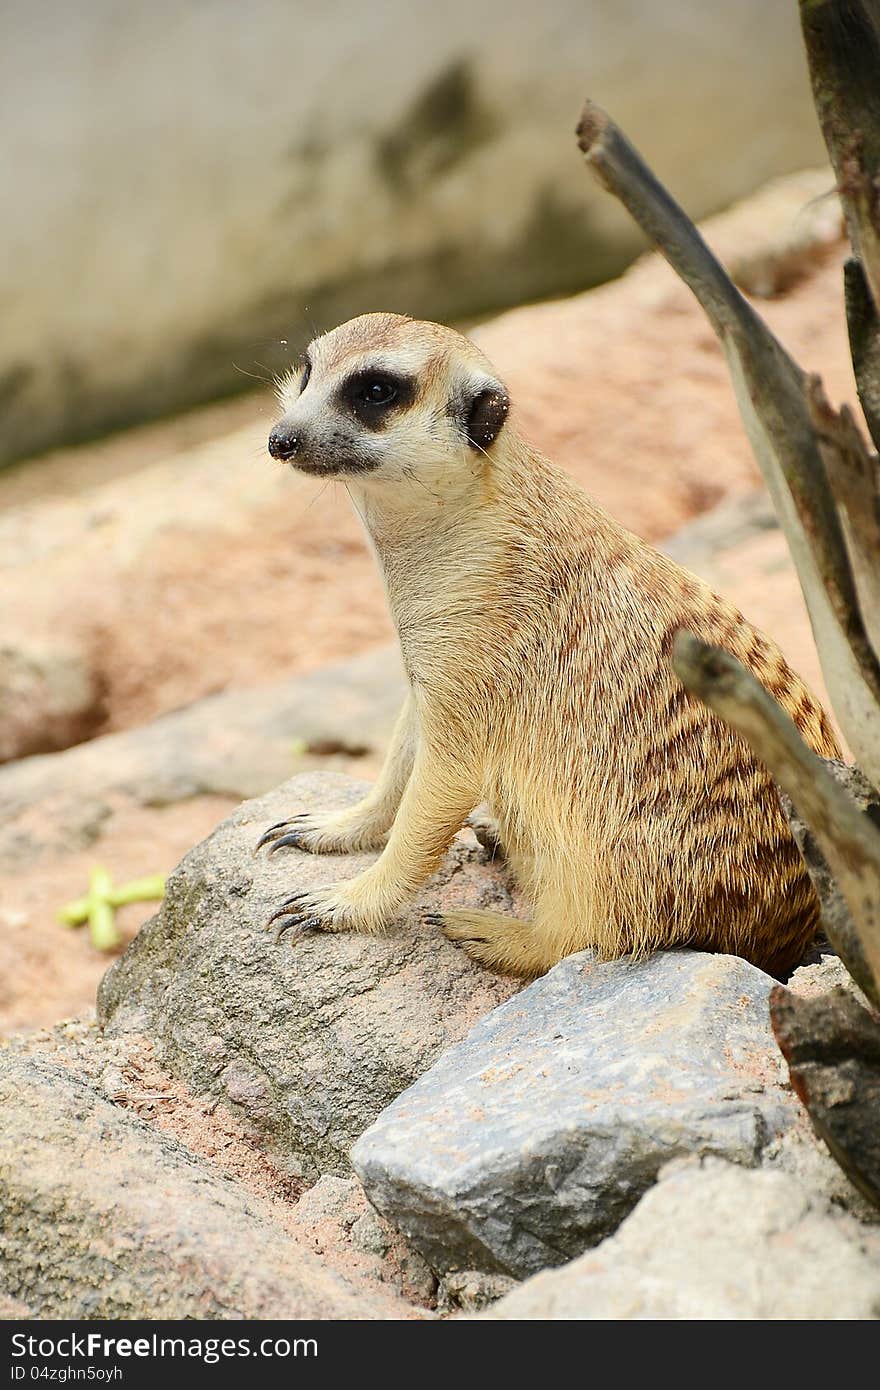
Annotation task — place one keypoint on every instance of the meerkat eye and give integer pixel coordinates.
(378, 391)
(306, 374)
(370, 395)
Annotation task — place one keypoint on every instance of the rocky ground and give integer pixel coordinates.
(401, 1134)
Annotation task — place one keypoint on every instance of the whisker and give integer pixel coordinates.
(353, 500)
(318, 494)
(409, 473)
(471, 443)
(315, 330)
(254, 375)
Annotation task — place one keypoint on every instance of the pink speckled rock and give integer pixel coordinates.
(310, 1042)
(104, 1216)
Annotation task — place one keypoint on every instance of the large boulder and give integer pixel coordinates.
(103, 1216)
(308, 1043)
(535, 1136)
(713, 1241)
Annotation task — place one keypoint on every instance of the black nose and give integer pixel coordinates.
(283, 444)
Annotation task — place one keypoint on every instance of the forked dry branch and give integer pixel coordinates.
(824, 480)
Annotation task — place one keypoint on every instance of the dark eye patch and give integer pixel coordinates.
(306, 374)
(371, 395)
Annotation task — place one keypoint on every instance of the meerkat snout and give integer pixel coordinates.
(283, 443)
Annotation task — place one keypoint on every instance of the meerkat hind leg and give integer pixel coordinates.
(506, 944)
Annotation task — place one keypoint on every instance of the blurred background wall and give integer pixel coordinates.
(190, 187)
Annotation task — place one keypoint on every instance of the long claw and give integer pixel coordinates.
(284, 926)
(294, 838)
(309, 927)
(269, 835)
(299, 926)
(287, 909)
(275, 830)
(433, 919)
(300, 897)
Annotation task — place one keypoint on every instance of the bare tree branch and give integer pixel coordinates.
(854, 477)
(848, 839)
(773, 397)
(825, 485)
(863, 322)
(842, 39)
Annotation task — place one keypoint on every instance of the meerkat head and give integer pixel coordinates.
(384, 398)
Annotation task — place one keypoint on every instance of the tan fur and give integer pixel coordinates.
(536, 634)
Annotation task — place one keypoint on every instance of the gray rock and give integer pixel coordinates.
(309, 1043)
(239, 743)
(50, 698)
(103, 1216)
(800, 1153)
(535, 1137)
(334, 1201)
(822, 975)
(713, 1241)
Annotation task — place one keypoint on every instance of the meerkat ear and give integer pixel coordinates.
(486, 414)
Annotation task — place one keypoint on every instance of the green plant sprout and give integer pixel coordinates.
(99, 905)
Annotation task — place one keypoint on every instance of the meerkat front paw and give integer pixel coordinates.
(330, 909)
(341, 833)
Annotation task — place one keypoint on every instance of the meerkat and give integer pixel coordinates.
(536, 635)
